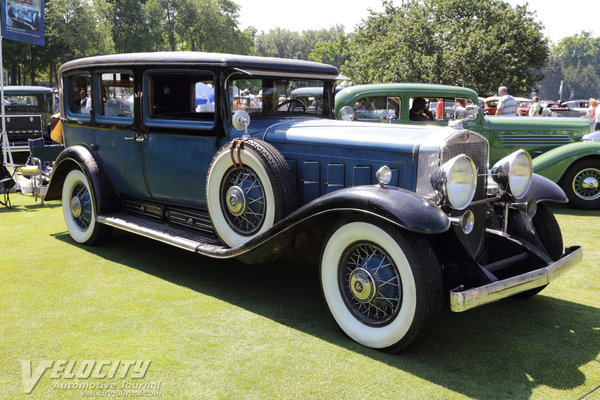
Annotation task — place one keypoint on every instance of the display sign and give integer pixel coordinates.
(23, 20)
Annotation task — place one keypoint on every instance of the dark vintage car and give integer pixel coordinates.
(28, 110)
(402, 220)
(571, 163)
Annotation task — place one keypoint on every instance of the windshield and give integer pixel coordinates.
(279, 95)
(27, 103)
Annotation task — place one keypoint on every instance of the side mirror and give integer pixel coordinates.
(241, 120)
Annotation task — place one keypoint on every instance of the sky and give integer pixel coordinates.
(560, 18)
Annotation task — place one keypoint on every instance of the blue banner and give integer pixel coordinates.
(23, 20)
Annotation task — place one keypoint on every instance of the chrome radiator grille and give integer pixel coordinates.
(476, 148)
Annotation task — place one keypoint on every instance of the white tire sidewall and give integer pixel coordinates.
(78, 234)
(215, 175)
(374, 337)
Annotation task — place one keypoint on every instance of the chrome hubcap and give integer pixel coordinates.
(76, 207)
(586, 184)
(590, 183)
(236, 200)
(362, 285)
(243, 200)
(370, 284)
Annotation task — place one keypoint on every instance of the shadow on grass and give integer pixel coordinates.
(16, 208)
(503, 350)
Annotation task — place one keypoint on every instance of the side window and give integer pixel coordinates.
(181, 96)
(116, 95)
(375, 108)
(79, 92)
(439, 108)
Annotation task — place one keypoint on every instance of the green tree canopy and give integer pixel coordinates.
(481, 44)
(575, 60)
(284, 43)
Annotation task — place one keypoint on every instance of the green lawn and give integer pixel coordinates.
(221, 329)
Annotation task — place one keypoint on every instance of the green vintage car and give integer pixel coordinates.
(557, 145)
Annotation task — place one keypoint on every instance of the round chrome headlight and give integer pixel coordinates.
(456, 181)
(346, 113)
(514, 173)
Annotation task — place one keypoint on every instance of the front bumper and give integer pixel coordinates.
(462, 300)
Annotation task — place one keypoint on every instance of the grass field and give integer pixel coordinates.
(224, 330)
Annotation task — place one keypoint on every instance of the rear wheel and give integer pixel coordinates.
(80, 212)
(383, 289)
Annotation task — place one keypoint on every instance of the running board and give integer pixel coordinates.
(196, 242)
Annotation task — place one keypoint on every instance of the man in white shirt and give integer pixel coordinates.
(507, 105)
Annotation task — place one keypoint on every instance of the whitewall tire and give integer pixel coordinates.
(79, 210)
(383, 288)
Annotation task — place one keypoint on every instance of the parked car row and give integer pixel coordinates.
(402, 218)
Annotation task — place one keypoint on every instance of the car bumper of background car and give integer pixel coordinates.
(462, 300)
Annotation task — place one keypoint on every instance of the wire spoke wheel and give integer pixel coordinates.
(243, 198)
(81, 206)
(370, 283)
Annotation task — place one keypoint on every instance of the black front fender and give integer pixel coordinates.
(398, 206)
(390, 205)
(544, 190)
(82, 158)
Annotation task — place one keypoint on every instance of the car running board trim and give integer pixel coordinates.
(162, 232)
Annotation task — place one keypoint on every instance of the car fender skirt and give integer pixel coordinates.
(81, 157)
(543, 189)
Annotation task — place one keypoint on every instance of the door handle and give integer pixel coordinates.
(130, 138)
(140, 138)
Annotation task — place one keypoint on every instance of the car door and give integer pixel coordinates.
(179, 134)
(116, 139)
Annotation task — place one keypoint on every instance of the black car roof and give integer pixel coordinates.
(190, 58)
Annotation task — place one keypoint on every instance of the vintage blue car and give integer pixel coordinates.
(403, 220)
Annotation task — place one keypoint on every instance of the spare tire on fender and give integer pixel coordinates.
(249, 187)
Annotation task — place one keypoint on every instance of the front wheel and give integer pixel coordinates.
(79, 210)
(383, 288)
(581, 183)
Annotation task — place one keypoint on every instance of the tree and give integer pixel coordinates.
(576, 61)
(480, 44)
(210, 25)
(583, 81)
(284, 43)
(334, 52)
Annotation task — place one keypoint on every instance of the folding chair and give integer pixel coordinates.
(39, 167)
(6, 184)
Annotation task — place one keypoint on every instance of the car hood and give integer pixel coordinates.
(537, 123)
(347, 134)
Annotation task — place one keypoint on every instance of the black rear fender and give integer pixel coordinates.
(82, 158)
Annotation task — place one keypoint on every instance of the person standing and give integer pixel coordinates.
(597, 117)
(591, 112)
(536, 108)
(507, 105)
